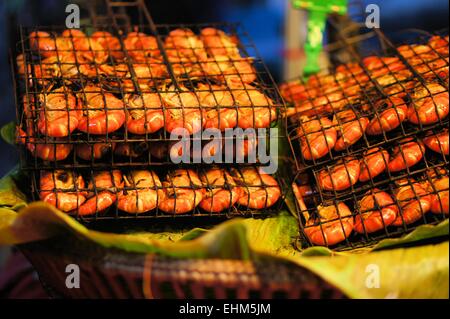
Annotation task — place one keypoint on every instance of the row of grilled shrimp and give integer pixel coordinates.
(159, 151)
(324, 93)
(407, 153)
(98, 112)
(377, 209)
(212, 53)
(319, 135)
(140, 191)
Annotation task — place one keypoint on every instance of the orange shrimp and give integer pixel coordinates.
(438, 142)
(183, 45)
(414, 202)
(110, 44)
(47, 45)
(439, 44)
(340, 176)
(222, 112)
(351, 128)
(374, 163)
(333, 225)
(221, 192)
(377, 210)
(103, 112)
(183, 111)
(429, 104)
(408, 153)
(258, 190)
(141, 46)
(393, 113)
(383, 65)
(93, 151)
(319, 105)
(218, 43)
(227, 69)
(59, 115)
(256, 110)
(102, 192)
(46, 152)
(87, 49)
(437, 185)
(62, 189)
(183, 192)
(145, 113)
(142, 192)
(317, 137)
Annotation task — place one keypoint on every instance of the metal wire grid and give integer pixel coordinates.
(235, 180)
(364, 93)
(364, 89)
(381, 223)
(125, 81)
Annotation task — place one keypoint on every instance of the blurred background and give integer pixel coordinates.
(270, 24)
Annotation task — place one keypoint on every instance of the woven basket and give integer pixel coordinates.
(110, 273)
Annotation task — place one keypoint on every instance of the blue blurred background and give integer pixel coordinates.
(263, 19)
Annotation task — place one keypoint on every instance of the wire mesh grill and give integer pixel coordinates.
(92, 195)
(97, 107)
(136, 84)
(375, 120)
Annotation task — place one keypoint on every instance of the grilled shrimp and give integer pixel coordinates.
(102, 112)
(408, 153)
(131, 150)
(437, 184)
(59, 114)
(333, 225)
(221, 190)
(141, 46)
(46, 152)
(102, 190)
(319, 105)
(182, 45)
(47, 45)
(183, 192)
(221, 112)
(351, 128)
(258, 190)
(218, 43)
(256, 110)
(414, 202)
(429, 104)
(142, 192)
(340, 176)
(109, 43)
(62, 189)
(183, 111)
(317, 137)
(438, 142)
(145, 113)
(377, 210)
(87, 49)
(393, 112)
(374, 163)
(88, 152)
(226, 69)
